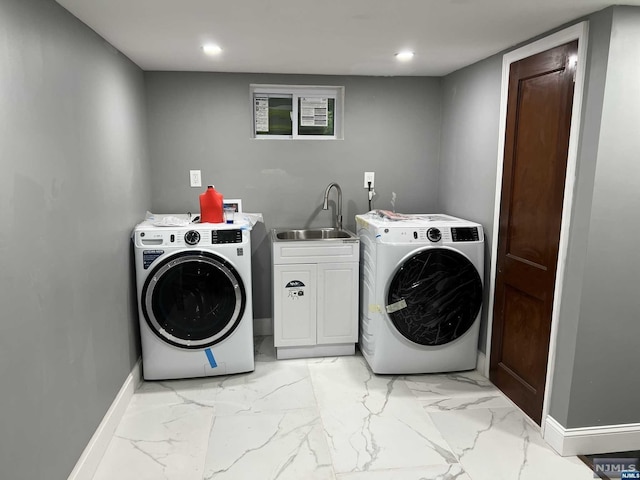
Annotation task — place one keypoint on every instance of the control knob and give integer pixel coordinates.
(192, 237)
(434, 234)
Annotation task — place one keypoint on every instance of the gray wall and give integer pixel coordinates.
(469, 151)
(203, 121)
(606, 386)
(73, 184)
(593, 98)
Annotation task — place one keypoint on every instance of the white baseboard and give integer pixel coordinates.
(94, 451)
(311, 351)
(262, 326)
(590, 440)
(480, 365)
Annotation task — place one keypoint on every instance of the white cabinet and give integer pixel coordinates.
(294, 305)
(315, 302)
(337, 300)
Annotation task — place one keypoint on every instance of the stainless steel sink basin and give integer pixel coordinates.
(311, 234)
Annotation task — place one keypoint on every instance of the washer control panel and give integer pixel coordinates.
(190, 237)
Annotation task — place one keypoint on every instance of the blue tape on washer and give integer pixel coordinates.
(212, 360)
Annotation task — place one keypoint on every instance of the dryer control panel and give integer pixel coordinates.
(465, 234)
(226, 236)
(431, 235)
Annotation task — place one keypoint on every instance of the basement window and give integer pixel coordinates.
(297, 112)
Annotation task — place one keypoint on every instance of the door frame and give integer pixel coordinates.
(578, 32)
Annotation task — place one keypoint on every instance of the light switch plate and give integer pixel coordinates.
(195, 178)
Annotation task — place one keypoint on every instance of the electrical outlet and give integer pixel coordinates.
(369, 177)
(195, 178)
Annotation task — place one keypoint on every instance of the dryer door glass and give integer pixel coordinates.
(434, 297)
(193, 299)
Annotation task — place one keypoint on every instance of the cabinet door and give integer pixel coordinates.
(294, 305)
(337, 303)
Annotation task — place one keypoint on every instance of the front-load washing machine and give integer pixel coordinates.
(194, 299)
(421, 280)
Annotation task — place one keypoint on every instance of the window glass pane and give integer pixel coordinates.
(273, 115)
(316, 118)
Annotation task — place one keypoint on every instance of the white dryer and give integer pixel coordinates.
(194, 299)
(421, 280)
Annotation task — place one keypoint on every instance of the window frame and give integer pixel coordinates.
(295, 92)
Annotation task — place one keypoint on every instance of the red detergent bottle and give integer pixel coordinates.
(211, 206)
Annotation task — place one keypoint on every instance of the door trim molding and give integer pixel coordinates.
(578, 32)
(591, 440)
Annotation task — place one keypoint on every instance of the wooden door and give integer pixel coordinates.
(535, 159)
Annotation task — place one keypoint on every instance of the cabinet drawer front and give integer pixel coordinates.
(315, 252)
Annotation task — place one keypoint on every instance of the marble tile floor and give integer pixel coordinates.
(328, 418)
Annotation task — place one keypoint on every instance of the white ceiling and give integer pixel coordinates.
(343, 37)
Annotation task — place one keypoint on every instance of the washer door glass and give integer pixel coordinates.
(434, 297)
(193, 299)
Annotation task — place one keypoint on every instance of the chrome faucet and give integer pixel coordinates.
(325, 205)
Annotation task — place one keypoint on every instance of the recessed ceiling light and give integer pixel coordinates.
(404, 56)
(211, 49)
